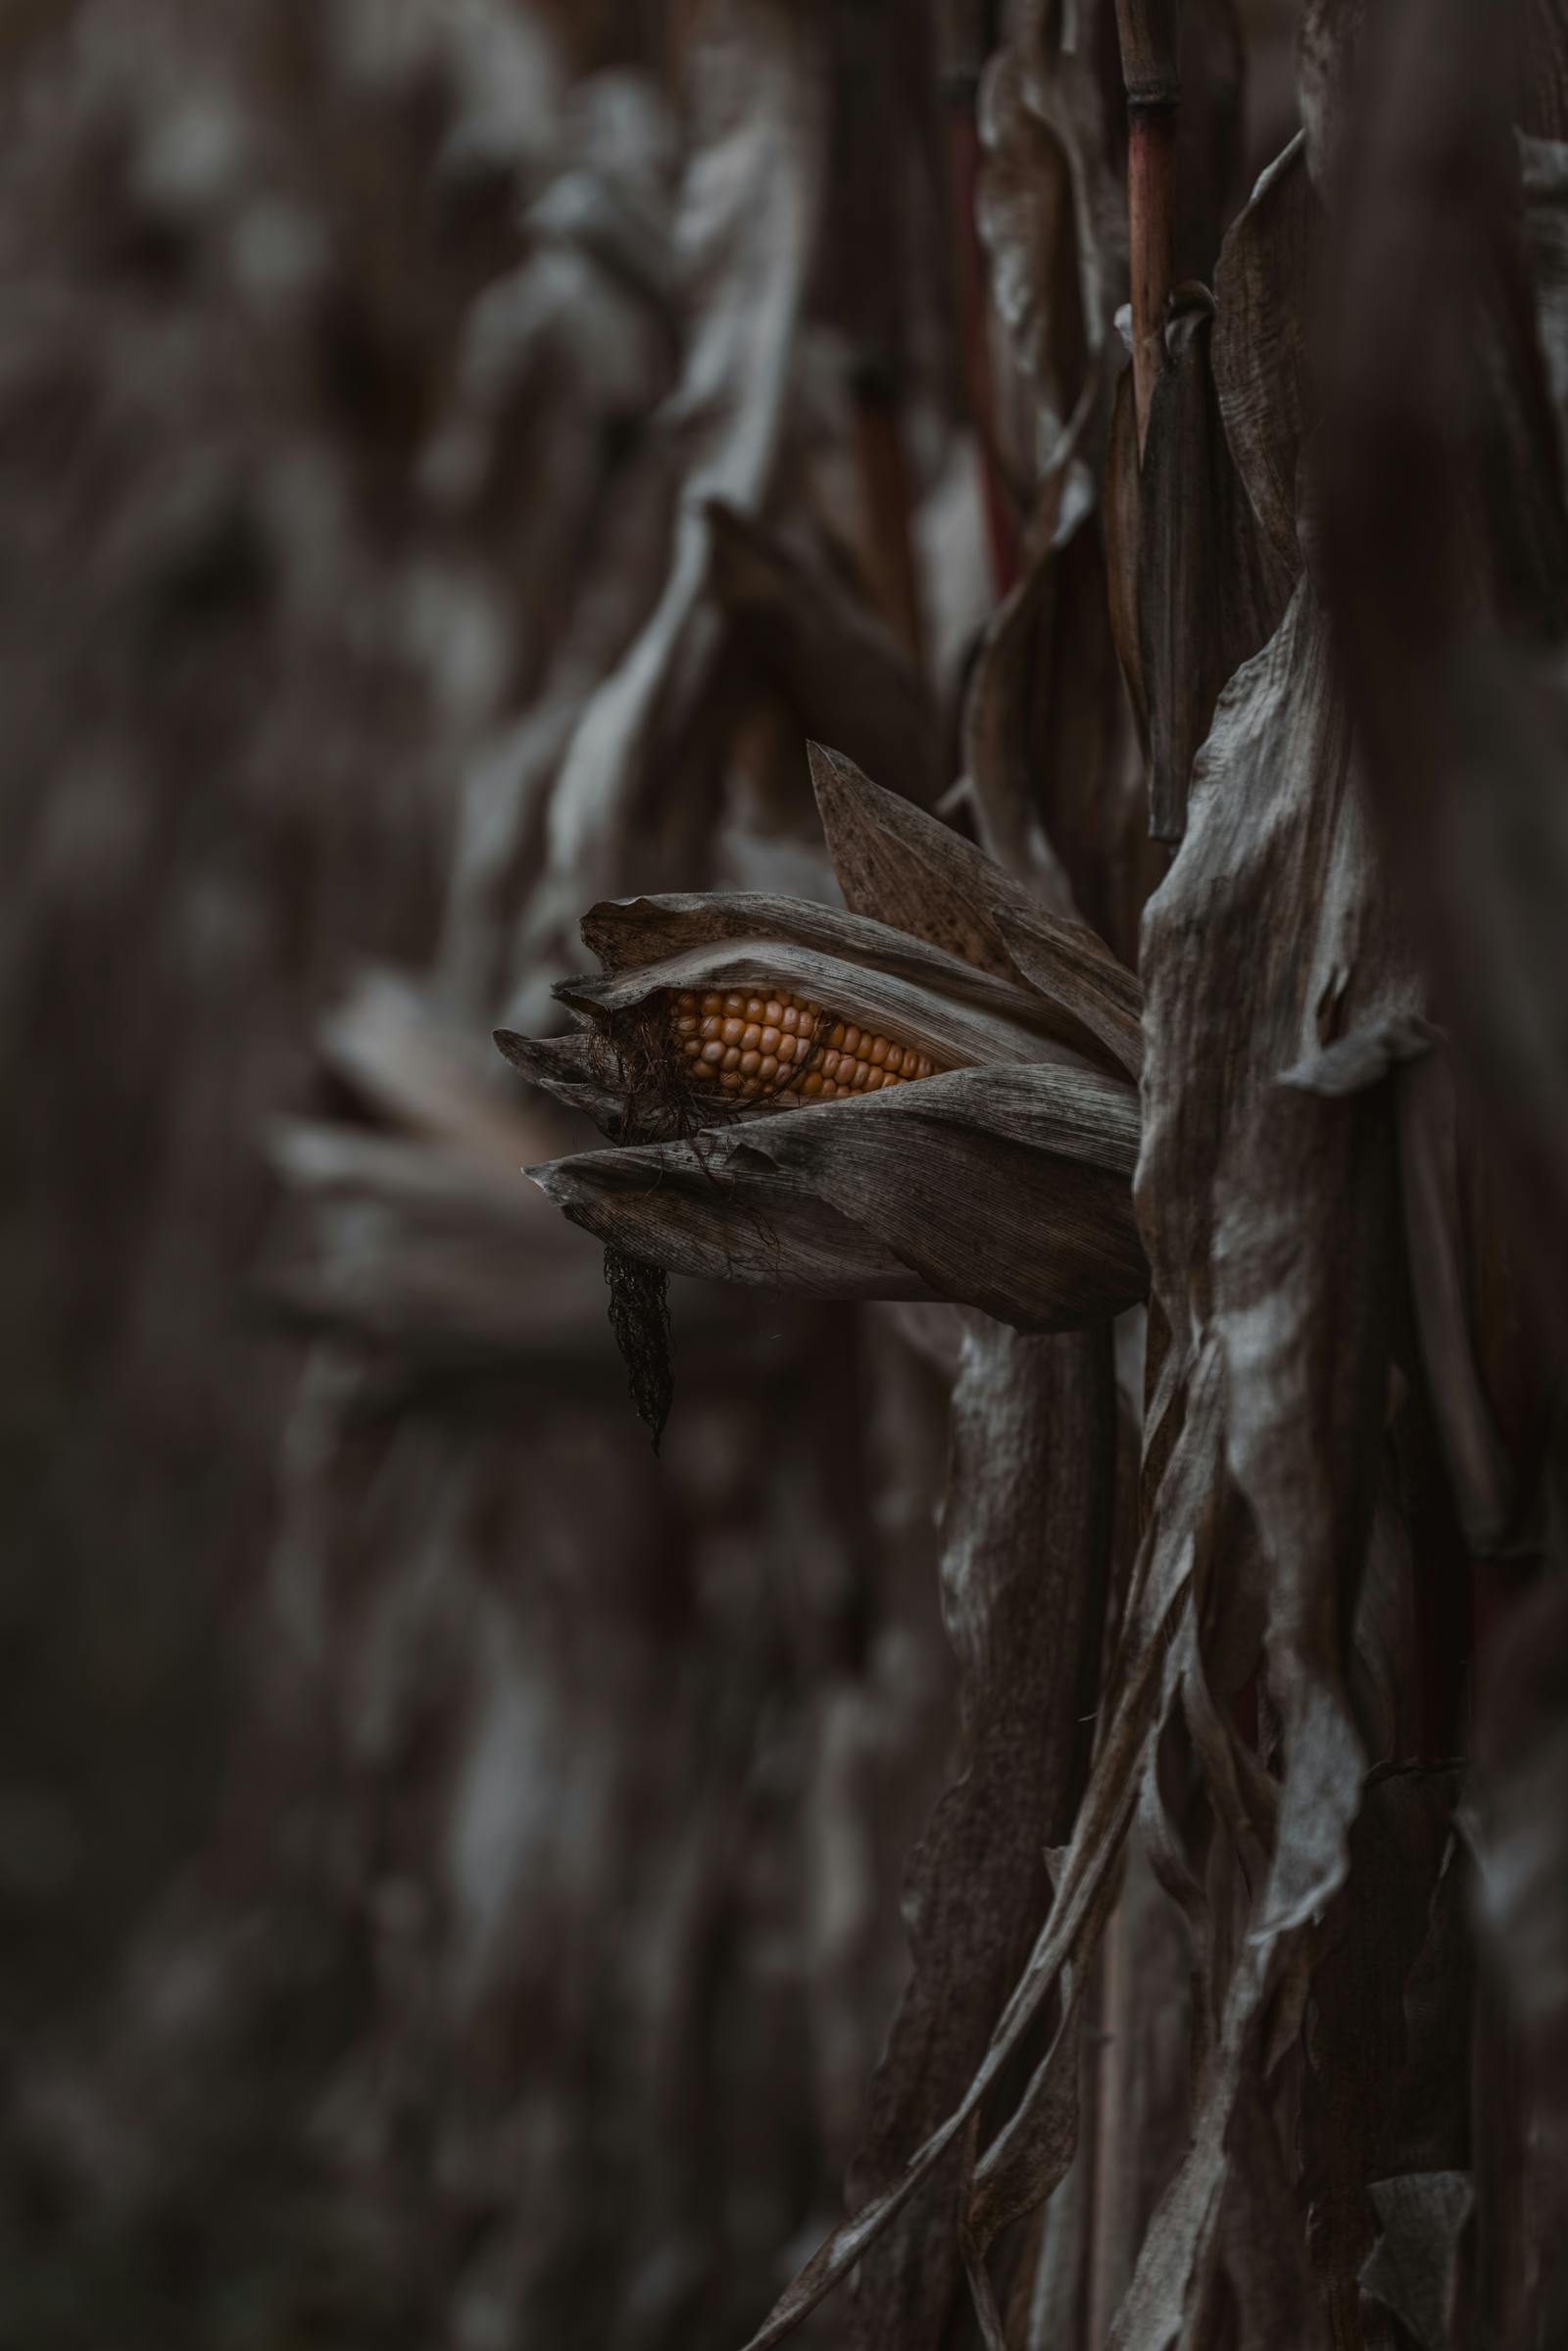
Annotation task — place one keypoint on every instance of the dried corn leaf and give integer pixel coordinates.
(903, 868)
(842, 671)
(1025, 214)
(1211, 587)
(1254, 1196)
(1025, 1567)
(1047, 744)
(1130, 1708)
(891, 1196)
(1410, 2270)
(1263, 292)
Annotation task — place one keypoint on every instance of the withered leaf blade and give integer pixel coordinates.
(1132, 1704)
(1365, 1056)
(572, 1068)
(1263, 293)
(1211, 586)
(1066, 960)
(1004, 1189)
(843, 673)
(907, 870)
(901, 868)
(1410, 2268)
(1025, 215)
(1024, 1565)
(1048, 742)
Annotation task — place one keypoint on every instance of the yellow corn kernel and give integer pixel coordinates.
(753, 1044)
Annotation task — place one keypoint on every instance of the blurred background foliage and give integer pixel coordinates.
(449, 1862)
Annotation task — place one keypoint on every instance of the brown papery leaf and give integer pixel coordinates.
(1211, 586)
(577, 1070)
(1263, 293)
(1273, 881)
(1048, 745)
(1410, 2268)
(1024, 1565)
(903, 868)
(1131, 1707)
(1253, 1196)
(1025, 215)
(1053, 205)
(899, 866)
(1004, 1189)
(842, 671)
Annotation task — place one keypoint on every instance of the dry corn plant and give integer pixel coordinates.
(1239, 2014)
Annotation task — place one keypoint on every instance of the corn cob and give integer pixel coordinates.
(770, 1045)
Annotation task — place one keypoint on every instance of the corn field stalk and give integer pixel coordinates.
(1286, 1763)
(1073, 1105)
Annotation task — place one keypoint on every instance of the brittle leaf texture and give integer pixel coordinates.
(1025, 1564)
(1003, 1188)
(905, 869)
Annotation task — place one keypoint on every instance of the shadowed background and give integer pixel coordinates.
(448, 1861)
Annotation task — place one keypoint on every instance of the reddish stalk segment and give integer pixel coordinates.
(975, 314)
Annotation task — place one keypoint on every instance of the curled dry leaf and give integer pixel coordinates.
(1131, 1707)
(1253, 1196)
(843, 672)
(917, 875)
(1048, 747)
(1211, 586)
(1004, 1188)
(1263, 293)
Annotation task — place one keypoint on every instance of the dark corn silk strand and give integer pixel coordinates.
(756, 1045)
